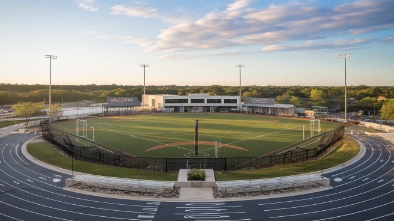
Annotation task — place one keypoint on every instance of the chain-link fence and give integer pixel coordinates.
(88, 150)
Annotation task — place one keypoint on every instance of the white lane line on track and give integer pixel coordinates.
(360, 165)
(42, 178)
(68, 196)
(337, 193)
(17, 154)
(335, 208)
(380, 181)
(29, 211)
(19, 165)
(380, 167)
(331, 201)
(16, 182)
(84, 206)
(1, 214)
(70, 211)
(146, 216)
(365, 179)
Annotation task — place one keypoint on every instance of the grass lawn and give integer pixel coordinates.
(6, 123)
(172, 134)
(344, 151)
(366, 129)
(44, 152)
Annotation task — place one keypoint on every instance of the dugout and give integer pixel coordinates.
(121, 106)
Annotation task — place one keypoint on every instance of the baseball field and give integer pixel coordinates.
(173, 134)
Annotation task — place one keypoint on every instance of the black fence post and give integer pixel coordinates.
(166, 165)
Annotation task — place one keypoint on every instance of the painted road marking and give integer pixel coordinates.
(29, 180)
(365, 179)
(146, 216)
(56, 180)
(210, 211)
(16, 182)
(42, 178)
(352, 177)
(338, 179)
(380, 181)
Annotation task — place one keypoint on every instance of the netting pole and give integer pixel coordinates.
(216, 149)
(312, 127)
(86, 129)
(77, 129)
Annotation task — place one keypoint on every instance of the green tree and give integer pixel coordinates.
(367, 102)
(55, 110)
(316, 94)
(387, 111)
(27, 109)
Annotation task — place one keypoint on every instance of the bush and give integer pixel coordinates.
(196, 174)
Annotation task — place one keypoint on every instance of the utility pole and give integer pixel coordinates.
(345, 56)
(50, 78)
(240, 66)
(143, 100)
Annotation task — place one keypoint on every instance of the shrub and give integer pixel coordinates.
(196, 174)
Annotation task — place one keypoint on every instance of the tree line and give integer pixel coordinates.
(359, 97)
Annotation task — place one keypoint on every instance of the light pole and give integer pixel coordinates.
(143, 99)
(240, 66)
(345, 56)
(374, 116)
(50, 77)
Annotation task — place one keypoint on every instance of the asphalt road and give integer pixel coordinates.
(361, 191)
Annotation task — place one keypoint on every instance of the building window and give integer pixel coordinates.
(214, 101)
(176, 101)
(230, 101)
(199, 101)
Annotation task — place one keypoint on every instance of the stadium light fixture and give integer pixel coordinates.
(240, 66)
(50, 78)
(345, 56)
(143, 100)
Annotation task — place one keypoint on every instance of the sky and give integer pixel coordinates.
(197, 42)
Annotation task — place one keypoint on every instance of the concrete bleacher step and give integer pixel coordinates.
(196, 193)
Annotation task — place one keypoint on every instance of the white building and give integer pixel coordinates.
(207, 103)
(191, 103)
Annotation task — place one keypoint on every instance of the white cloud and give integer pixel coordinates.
(142, 42)
(240, 24)
(387, 40)
(89, 5)
(319, 45)
(274, 28)
(142, 12)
